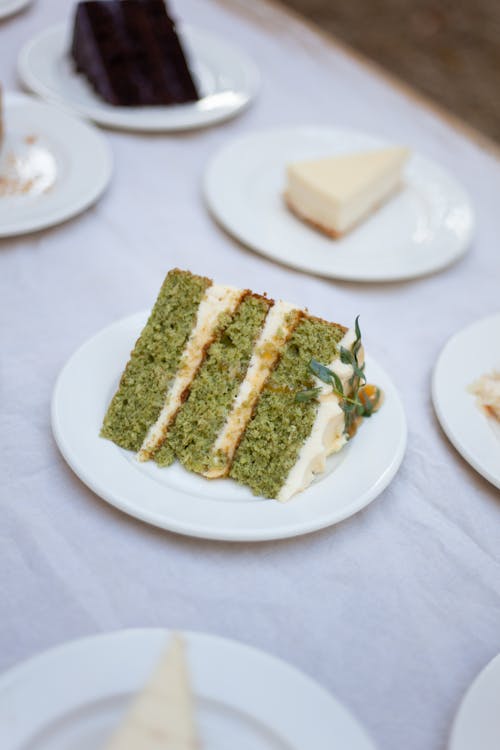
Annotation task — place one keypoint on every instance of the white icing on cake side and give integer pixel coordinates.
(327, 435)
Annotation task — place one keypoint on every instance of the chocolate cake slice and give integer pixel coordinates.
(130, 52)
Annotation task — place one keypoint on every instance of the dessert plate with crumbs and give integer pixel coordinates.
(223, 424)
(53, 166)
(226, 78)
(150, 688)
(396, 221)
(466, 395)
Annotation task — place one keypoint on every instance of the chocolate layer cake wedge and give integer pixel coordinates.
(130, 52)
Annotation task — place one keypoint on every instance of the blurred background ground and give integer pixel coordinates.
(447, 49)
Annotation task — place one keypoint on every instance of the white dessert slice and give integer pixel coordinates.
(162, 715)
(336, 193)
(218, 299)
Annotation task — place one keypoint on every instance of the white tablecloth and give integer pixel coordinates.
(394, 610)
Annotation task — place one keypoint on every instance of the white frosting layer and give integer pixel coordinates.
(216, 300)
(162, 715)
(327, 435)
(337, 193)
(267, 349)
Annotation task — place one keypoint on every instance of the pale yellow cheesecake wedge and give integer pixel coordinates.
(337, 193)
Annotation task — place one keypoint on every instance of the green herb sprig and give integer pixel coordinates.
(356, 405)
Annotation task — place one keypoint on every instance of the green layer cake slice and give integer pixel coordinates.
(227, 382)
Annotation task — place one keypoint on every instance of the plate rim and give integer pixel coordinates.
(202, 639)
(106, 163)
(15, 6)
(209, 169)
(222, 533)
(455, 440)
(106, 119)
(454, 738)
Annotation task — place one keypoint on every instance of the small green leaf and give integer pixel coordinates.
(357, 343)
(338, 384)
(346, 356)
(348, 406)
(359, 373)
(308, 395)
(357, 329)
(321, 372)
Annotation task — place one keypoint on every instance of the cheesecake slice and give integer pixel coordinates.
(337, 193)
(162, 715)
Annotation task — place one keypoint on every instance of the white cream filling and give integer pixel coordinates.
(273, 336)
(216, 300)
(327, 435)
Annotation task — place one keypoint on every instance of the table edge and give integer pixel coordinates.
(276, 7)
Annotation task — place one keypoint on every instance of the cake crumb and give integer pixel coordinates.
(487, 392)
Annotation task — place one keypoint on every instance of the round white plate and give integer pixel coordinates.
(228, 80)
(423, 228)
(9, 7)
(73, 697)
(477, 724)
(63, 163)
(472, 352)
(176, 499)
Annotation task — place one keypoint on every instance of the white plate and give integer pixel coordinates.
(178, 500)
(9, 7)
(72, 697)
(227, 78)
(477, 724)
(427, 226)
(469, 354)
(69, 161)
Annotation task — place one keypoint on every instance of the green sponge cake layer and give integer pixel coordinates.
(154, 360)
(280, 425)
(215, 386)
(214, 312)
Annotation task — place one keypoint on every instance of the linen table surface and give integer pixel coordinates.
(394, 610)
